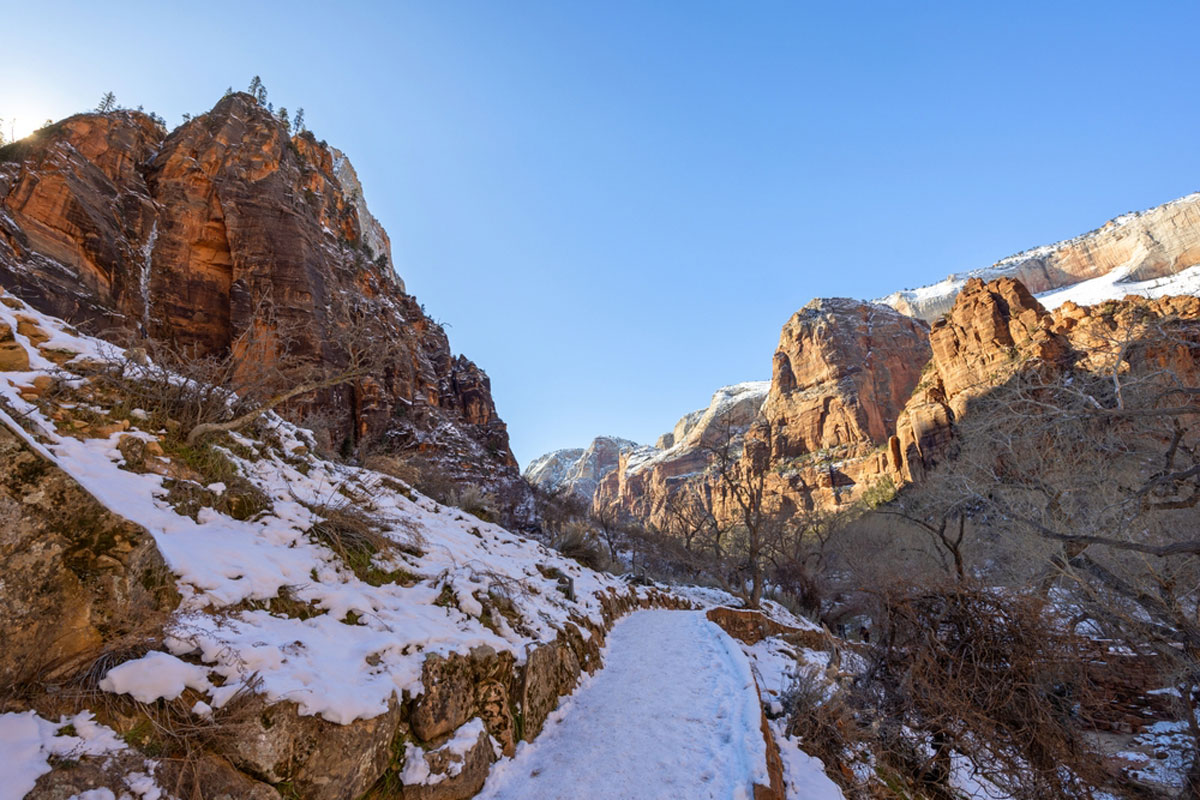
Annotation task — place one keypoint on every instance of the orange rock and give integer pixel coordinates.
(229, 225)
(13, 356)
(28, 327)
(999, 328)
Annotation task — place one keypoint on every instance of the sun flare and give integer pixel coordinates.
(20, 122)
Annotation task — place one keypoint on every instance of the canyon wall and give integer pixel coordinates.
(229, 225)
(818, 429)
(997, 329)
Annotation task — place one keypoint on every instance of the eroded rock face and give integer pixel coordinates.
(993, 330)
(841, 375)
(646, 477)
(322, 760)
(459, 687)
(228, 225)
(1150, 244)
(996, 329)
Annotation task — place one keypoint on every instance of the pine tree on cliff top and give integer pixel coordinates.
(107, 103)
(298, 122)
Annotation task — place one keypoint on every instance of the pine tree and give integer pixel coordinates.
(107, 103)
(298, 122)
(283, 116)
(228, 92)
(258, 90)
(187, 117)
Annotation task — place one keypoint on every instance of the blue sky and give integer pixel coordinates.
(615, 206)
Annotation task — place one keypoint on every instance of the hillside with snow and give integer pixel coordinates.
(1150, 253)
(330, 629)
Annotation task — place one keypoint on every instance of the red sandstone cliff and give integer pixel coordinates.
(997, 329)
(842, 373)
(121, 228)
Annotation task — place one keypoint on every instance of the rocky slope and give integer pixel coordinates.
(243, 618)
(228, 227)
(1147, 247)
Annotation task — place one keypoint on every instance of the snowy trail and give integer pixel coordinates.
(673, 714)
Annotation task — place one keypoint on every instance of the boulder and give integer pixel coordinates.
(13, 355)
(76, 576)
(454, 774)
(322, 760)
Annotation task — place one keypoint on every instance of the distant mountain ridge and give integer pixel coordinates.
(1152, 252)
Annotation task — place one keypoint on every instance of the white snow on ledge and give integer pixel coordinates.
(155, 676)
(1114, 286)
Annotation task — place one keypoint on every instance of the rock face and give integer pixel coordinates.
(993, 330)
(1149, 244)
(576, 471)
(77, 578)
(998, 328)
(228, 225)
(841, 375)
(644, 478)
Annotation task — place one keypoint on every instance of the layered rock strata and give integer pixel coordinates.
(841, 375)
(229, 226)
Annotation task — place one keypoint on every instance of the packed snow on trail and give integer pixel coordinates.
(674, 713)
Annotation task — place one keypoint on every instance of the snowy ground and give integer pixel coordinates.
(1116, 284)
(365, 642)
(673, 714)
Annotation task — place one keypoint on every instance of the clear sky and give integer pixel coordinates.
(616, 205)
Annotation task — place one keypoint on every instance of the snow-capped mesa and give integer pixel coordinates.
(1151, 253)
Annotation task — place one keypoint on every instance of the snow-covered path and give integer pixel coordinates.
(673, 714)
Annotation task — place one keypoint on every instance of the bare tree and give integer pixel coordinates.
(1094, 471)
(741, 480)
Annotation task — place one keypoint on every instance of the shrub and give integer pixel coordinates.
(576, 541)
